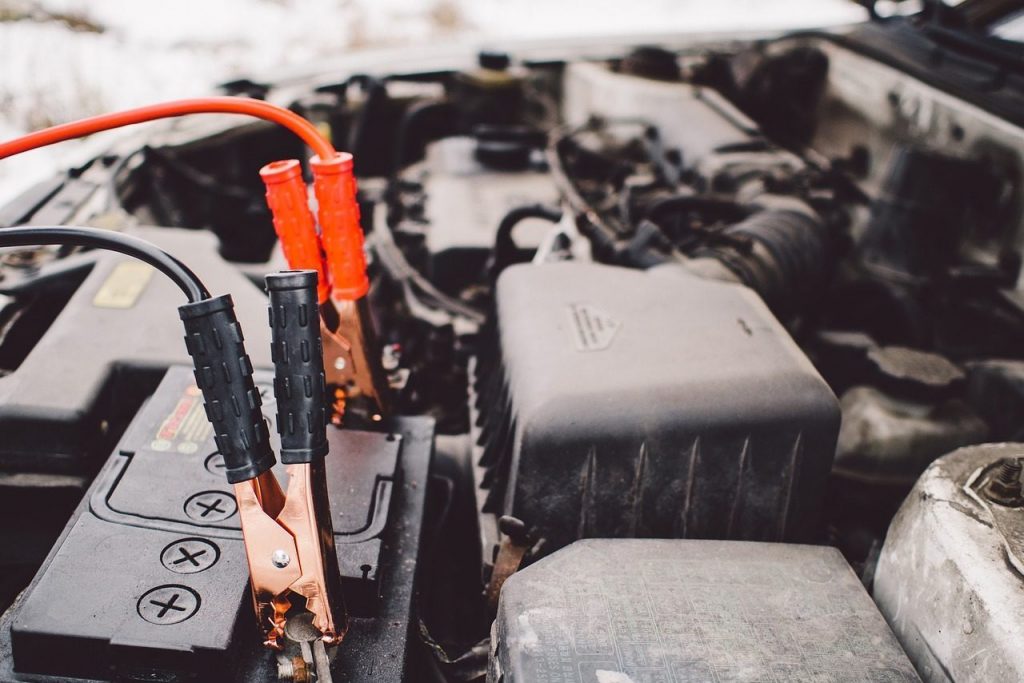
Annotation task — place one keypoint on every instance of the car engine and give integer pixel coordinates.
(690, 362)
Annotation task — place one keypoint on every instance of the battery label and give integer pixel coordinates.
(124, 285)
(186, 428)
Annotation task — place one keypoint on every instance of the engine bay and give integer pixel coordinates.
(697, 362)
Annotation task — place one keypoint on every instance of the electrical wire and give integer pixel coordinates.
(199, 105)
(179, 273)
(113, 201)
(504, 251)
(413, 117)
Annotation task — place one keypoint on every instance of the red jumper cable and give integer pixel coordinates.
(351, 352)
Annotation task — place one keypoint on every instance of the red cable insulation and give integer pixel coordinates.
(199, 105)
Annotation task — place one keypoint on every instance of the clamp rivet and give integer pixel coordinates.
(280, 559)
(339, 363)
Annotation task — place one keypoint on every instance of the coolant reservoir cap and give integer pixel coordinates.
(493, 60)
(911, 371)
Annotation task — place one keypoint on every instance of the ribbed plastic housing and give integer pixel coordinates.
(296, 349)
(621, 403)
(334, 184)
(223, 373)
(293, 220)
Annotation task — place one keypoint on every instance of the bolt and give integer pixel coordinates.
(280, 559)
(292, 669)
(391, 357)
(1005, 486)
(285, 670)
(339, 363)
(514, 528)
(1009, 472)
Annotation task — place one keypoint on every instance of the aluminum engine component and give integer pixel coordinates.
(689, 118)
(950, 574)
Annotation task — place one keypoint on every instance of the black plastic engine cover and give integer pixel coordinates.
(621, 403)
(107, 350)
(150, 582)
(464, 201)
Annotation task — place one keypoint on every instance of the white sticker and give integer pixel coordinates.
(592, 328)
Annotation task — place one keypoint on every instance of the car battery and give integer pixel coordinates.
(63, 405)
(656, 611)
(149, 580)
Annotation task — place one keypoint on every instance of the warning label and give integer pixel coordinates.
(592, 328)
(124, 285)
(186, 428)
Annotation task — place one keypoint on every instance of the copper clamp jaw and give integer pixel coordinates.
(289, 538)
(289, 543)
(352, 359)
(352, 354)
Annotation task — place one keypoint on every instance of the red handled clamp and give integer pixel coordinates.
(351, 349)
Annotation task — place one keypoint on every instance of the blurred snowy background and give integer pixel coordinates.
(63, 59)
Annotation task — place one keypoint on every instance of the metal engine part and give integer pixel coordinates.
(950, 574)
(697, 121)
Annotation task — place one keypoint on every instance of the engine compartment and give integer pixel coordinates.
(725, 291)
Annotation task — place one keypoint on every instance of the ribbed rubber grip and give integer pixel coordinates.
(334, 184)
(224, 374)
(299, 382)
(293, 221)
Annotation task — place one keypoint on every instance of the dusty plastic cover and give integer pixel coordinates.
(653, 611)
(621, 403)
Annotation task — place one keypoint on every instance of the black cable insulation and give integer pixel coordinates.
(179, 273)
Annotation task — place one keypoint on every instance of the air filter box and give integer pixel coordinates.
(622, 403)
(612, 611)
